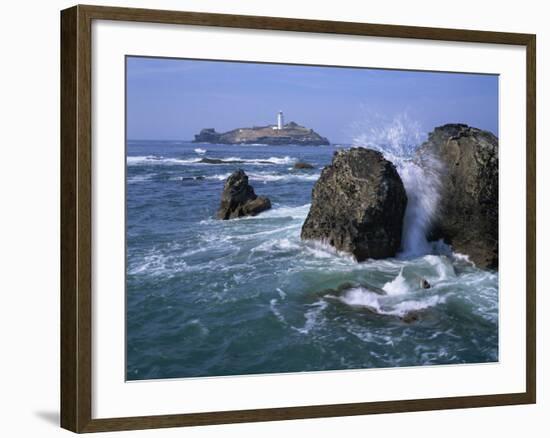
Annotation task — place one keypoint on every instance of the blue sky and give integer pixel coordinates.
(173, 99)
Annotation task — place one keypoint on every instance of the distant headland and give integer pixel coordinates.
(277, 134)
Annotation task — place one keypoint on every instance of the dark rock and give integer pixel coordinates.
(207, 135)
(303, 165)
(424, 284)
(358, 205)
(467, 216)
(410, 317)
(220, 161)
(192, 178)
(239, 199)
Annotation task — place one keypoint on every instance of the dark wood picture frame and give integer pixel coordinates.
(76, 218)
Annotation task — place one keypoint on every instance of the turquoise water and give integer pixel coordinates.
(246, 296)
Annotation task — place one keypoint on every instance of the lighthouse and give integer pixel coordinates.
(280, 120)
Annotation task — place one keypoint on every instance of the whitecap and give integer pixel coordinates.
(397, 286)
(219, 177)
(138, 178)
(277, 245)
(361, 297)
(276, 312)
(158, 160)
(200, 151)
(284, 211)
(401, 309)
(443, 267)
(322, 250)
(269, 177)
(384, 305)
(260, 161)
(313, 317)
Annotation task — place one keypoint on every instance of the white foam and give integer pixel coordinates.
(258, 161)
(443, 267)
(278, 245)
(312, 316)
(384, 305)
(322, 250)
(158, 160)
(298, 212)
(423, 187)
(276, 312)
(398, 138)
(269, 177)
(405, 307)
(138, 178)
(200, 151)
(219, 177)
(362, 297)
(398, 286)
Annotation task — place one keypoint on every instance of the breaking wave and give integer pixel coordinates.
(398, 139)
(160, 160)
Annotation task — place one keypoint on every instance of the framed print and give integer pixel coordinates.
(268, 219)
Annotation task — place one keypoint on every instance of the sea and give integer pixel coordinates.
(206, 297)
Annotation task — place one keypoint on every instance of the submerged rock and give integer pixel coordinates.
(410, 317)
(192, 178)
(424, 284)
(239, 199)
(303, 165)
(467, 216)
(358, 205)
(220, 161)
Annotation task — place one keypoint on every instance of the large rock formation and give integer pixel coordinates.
(239, 199)
(467, 216)
(291, 133)
(358, 205)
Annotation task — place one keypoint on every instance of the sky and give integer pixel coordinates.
(173, 99)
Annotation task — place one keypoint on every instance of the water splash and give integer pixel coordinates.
(423, 187)
(398, 139)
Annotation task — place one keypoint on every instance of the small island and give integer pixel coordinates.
(278, 134)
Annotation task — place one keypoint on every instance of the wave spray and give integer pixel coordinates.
(398, 139)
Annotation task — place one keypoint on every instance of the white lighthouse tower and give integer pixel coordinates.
(280, 120)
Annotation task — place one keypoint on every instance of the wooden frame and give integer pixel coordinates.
(76, 225)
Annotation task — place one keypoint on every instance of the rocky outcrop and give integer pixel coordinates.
(239, 199)
(290, 134)
(358, 205)
(467, 216)
(220, 161)
(303, 165)
(208, 135)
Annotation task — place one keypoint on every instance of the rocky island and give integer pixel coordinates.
(275, 135)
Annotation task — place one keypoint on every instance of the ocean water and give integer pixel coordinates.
(210, 298)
